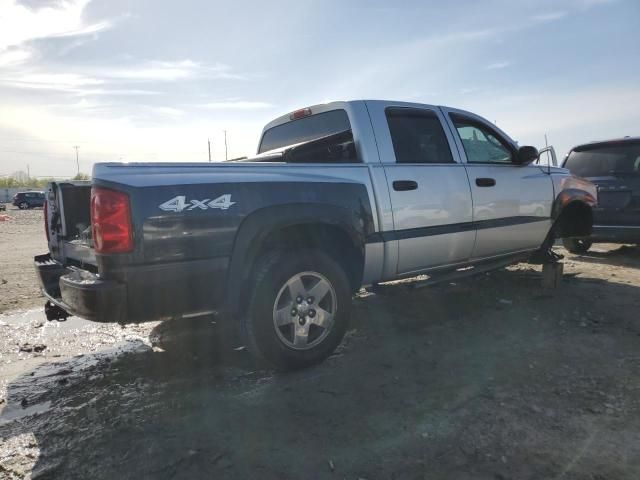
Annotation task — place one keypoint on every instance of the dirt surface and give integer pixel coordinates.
(21, 237)
(487, 378)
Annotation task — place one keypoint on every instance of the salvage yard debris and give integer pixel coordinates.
(37, 348)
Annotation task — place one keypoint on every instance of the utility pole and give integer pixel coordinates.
(77, 160)
(546, 144)
(28, 172)
(209, 145)
(225, 146)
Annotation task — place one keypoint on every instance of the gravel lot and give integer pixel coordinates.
(21, 237)
(488, 378)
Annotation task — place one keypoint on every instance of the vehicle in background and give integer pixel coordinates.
(614, 166)
(340, 196)
(25, 200)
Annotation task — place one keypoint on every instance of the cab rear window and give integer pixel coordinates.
(605, 160)
(305, 129)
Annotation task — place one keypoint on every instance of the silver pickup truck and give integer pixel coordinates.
(340, 195)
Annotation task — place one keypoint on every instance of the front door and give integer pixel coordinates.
(511, 203)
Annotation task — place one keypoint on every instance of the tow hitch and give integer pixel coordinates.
(54, 312)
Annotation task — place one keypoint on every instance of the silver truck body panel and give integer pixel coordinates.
(447, 194)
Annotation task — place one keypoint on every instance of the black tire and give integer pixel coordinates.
(577, 245)
(23, 206)
(270, 278)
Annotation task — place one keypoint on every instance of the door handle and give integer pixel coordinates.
(485, 182)
(403, 185)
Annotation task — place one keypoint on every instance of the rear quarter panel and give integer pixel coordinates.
(195, 232)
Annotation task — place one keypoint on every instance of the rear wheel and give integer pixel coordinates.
(23, 206)
(577, 245)
(299, 309)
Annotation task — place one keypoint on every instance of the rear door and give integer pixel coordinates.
(511, 203)
(428, 186)
(615, 168)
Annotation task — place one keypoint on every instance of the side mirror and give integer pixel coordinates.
(526, 155)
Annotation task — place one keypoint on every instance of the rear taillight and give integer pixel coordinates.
(46, 218)
(110, 221)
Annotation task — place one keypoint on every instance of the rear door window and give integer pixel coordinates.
(605, 160)
(418, 136)
(305, 129)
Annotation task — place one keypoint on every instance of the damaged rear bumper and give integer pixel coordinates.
(134, 294)
(80, 292)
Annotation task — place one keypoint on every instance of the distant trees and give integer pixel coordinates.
(21, 179)
(82, 176)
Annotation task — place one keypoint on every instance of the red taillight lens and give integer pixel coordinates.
(46, 218)
(110, 221)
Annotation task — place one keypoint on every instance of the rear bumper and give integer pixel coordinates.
(136, 294)
(616, 233)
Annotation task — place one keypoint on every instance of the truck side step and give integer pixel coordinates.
(441, 277)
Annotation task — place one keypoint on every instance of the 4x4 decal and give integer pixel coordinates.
(179, 203)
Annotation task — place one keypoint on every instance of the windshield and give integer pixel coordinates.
(605, 160)
(305, 129)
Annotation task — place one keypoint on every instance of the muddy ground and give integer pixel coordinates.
(487, 378)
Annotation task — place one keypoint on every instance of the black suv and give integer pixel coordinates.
(614, 166)
(26, 200)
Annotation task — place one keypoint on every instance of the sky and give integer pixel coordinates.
(152, 80)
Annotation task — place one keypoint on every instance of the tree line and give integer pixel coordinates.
(21, 179)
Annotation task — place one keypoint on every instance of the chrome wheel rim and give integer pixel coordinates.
(304, 310)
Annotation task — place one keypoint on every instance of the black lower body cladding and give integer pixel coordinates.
(616, 233)
(135, 294)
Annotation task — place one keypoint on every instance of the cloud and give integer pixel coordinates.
(86, 30)
(167, 111)
(236, 105)
(66, 82)
(171, 71)
(497, 65)
(549, 17)
(14, 56)
(113, 80)
(20, 23)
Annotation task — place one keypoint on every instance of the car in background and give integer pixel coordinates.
(614, 166)
(25, 200)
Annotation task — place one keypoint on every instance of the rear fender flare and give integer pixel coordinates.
(261, 223)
